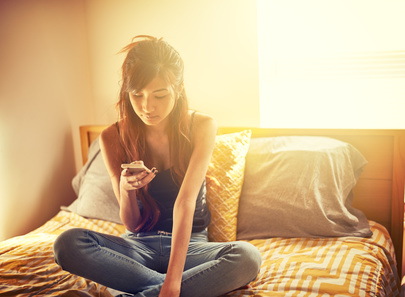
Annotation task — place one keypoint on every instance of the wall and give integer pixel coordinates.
(217, 40)
(44, 96)
(60, 69)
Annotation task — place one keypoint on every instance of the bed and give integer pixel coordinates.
(341, 235)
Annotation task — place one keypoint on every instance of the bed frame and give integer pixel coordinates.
(379, 192)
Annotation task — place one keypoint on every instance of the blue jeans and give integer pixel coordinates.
(136, 263)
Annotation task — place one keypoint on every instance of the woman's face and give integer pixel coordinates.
(153, 103)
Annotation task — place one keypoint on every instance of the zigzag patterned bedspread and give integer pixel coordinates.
(291, 267)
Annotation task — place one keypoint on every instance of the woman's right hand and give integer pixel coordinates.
(134, 181)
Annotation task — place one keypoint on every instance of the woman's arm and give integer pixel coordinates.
(123, 182)
(204, 128)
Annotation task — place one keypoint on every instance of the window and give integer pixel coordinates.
(332, 64)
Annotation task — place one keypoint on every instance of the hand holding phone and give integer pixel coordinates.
(136, 175)
(135, 167)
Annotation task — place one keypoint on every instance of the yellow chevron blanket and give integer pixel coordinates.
(345, 266)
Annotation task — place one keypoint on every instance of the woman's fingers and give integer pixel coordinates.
(145, 177)
(138, 180)
(148, 177)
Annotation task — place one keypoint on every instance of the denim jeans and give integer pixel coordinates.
(136, 263)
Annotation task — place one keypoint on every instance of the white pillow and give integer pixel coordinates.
(300, 186)
(92, 185)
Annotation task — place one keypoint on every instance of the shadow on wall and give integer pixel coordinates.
(44, 94)
(56, 190)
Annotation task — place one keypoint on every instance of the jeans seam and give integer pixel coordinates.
(128, 245)
(118, 255)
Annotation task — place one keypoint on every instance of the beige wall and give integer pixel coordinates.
(217, 40)
(59, 69)
(44, 96)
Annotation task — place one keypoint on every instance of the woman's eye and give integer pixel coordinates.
(160, 97)
(136, 95)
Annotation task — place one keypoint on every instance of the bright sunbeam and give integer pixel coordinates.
(331, 64)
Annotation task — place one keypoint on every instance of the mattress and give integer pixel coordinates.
(344, 266)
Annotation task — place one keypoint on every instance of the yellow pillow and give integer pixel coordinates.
(224, 184)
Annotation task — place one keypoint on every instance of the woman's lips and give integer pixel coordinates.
(150, 117)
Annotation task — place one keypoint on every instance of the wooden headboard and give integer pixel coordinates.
(379, 192)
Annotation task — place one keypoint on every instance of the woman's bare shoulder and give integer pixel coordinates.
(203, 121)
(203, 124)
(109, 139)
(109, 134)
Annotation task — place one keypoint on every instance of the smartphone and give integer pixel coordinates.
(134, 167)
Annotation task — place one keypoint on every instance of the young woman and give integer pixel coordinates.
(165, 251)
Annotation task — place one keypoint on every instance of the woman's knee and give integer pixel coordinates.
(249, 258)
(67, 246)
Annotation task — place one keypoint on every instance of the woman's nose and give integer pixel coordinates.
(148, 105)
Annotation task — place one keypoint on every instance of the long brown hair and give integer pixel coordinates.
(148, 57)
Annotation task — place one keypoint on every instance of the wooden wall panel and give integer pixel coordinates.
(373, 197)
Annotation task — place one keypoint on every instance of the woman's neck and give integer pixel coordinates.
(158, 146)
(156, 132)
